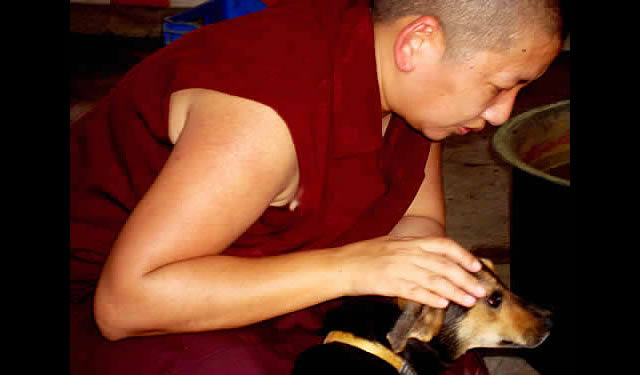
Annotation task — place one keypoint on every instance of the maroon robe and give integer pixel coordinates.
(313, 62)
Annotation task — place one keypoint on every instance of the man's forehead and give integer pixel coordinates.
(525, 68)
(527, 61)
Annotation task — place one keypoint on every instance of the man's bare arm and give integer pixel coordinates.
(233, 159)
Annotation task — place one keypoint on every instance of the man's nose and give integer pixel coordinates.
(500, 111)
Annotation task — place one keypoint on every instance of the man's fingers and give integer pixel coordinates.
(444, 267)
(450, 249)
(415, 292)
(450, 261)
(442, 286)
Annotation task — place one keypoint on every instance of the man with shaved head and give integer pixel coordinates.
(241, 181)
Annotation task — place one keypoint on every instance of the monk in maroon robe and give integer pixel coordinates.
(241, 181)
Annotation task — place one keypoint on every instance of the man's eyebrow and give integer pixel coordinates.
(517, 79)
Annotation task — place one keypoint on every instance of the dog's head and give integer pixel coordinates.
(501, 319)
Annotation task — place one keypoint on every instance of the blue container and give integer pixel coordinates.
(206, 13)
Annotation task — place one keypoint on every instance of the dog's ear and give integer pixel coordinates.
(488, 263)
(402, 302)
(416, 321)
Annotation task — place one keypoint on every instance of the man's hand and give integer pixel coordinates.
(429, 270)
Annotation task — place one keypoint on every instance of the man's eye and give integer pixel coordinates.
(496, 90)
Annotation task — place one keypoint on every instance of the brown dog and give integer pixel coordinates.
(378, 337)
(502, 319)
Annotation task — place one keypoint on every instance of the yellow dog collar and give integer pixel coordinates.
(371, 347)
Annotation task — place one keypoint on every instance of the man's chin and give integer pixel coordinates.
(437, 136)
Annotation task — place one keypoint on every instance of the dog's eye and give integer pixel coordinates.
(495, 299)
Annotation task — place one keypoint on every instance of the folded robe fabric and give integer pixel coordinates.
(143, 3)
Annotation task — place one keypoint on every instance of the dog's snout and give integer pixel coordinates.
(543, 314)
(544, 318)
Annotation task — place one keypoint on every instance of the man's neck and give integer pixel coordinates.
(383, 54)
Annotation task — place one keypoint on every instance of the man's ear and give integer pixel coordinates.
(419, 38)
(416, 321)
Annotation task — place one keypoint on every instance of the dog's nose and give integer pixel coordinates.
(545, 315)
(547, 322)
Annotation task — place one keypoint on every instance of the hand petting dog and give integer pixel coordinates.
(431, 271)
(386, 336)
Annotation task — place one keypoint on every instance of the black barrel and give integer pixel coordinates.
(536, 144)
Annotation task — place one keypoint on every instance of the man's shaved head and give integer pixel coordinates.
(474, 25)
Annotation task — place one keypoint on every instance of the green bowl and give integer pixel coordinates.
(538, 142)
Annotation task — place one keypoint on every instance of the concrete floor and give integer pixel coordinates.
(107, 41)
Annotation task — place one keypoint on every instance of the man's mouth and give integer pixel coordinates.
(464, 130)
